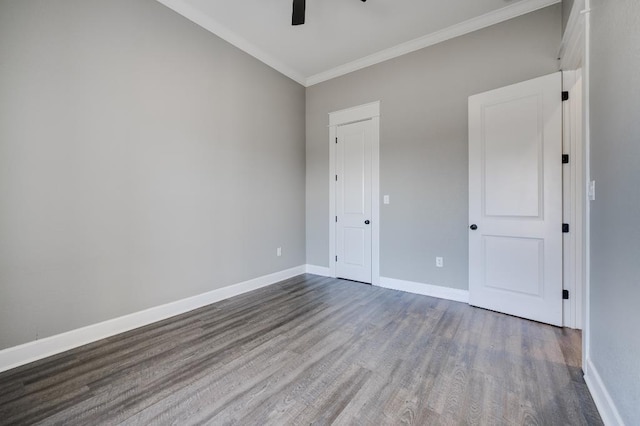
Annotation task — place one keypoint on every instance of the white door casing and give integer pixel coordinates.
(573, 200)
(353, 201)
(515, 199)
(368, 112)
(575, 55)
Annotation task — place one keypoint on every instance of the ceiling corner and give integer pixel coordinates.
(194, 15)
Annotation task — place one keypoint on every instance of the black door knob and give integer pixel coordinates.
(366, 222)
(474, 227)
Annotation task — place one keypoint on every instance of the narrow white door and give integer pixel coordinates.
(515, 200)
(353, 201)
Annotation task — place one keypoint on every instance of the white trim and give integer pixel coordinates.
(586, 132)
(425, 289)
(205, 21)
(333, 133)
(323, 271)
(572, 47)
(33, 351)
(579, 199)
(574, 54)
(573, 201)
(511, 11)
(605, 404)
(351, 115)
(568, 252)
(375, 200)
(370, 111)
(474, 24)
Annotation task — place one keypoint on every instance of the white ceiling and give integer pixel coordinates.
(340, 36)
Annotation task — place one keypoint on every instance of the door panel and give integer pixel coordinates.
(354, 246)
(353, 201)
(512, 166)
(515, 199)
(523, 258)
(354, 173)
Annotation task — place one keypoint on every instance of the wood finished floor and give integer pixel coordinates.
(313, 350)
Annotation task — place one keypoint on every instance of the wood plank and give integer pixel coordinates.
(313, 350)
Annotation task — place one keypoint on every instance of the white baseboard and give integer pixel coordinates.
(407, 286)
(426, 289)
(606, 407)
(318, 270)
(33, 351)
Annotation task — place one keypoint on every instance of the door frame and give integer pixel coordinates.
(370, 111)
(573, 200)
(575, 55)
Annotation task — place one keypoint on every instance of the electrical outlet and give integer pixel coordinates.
(385, 199)
(279, 251)
(439, 262)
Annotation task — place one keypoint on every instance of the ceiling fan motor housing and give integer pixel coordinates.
(297, 17)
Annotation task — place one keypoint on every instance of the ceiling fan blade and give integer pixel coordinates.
(297, 18)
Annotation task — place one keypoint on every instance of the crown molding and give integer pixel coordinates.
(211, 25)
(500, 15)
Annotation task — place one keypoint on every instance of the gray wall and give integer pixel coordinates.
(142, 160)
(424, 140)
(615, 232)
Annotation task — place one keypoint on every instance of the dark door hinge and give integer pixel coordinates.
(336, 178)
(336, 140)
(336, 258)
(336, 218)
(565, 294)
(565, 96)
(565, 158)
(565, 228)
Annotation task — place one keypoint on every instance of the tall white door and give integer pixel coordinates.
(515, 200)
(353, 201)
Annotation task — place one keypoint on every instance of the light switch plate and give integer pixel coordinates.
(386, 199)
